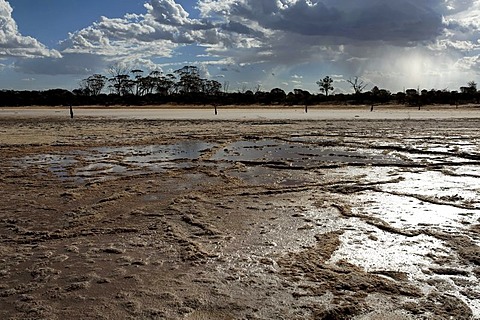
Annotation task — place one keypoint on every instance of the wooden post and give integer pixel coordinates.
(71, 112)
(216, 112)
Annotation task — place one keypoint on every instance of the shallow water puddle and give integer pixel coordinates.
(424, 202)
(409, 213)
(145, 155)
(447, 189)
(422, 198)
(131, 160)
(299, 154)
(99, 164)
(57, 164)
(377, 250)
(381, 252)
(417, 257)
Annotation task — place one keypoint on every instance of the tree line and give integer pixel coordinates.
(186, 86)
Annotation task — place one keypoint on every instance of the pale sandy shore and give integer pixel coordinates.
(251, 113)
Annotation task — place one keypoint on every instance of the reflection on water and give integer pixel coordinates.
(99, 164)
(107, 162)
(379, 250)
(299, 154)
(144, 155)
(59, 165)
(425, 202)
(432, 187)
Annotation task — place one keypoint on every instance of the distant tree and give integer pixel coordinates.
(298, 97)
(126, 85)
(357, 84)
(243, 88)
(412, 96)
(55, 97)
(190, 81)
(79, 92)
(211, 87)
(165, 84)
(385, 95)
(473, 86)
(95, 84)
(226, 86)
(411, 92)
(83, 90)
(325, 85)
(380, 95)
(137, 74)
(145, 85)
(299, 92)
(121, 83)
(277, 95)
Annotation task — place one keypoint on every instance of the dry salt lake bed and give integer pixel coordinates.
(351, 218)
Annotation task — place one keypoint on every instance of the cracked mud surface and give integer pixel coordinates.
(365, 219)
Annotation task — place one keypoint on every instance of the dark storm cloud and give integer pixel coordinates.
(237, 27)
(253, 23)
(71, 63)
(400, 20)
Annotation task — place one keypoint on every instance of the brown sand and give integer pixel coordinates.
(90, 233)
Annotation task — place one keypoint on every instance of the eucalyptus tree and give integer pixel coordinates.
(211, 87)
(472, 85)
(471, 88)
(164, 84)
(358, 85)
(93, 85)
(96, 83)
(137, 74)
(190, 81)
(326, 85)
(120, 82)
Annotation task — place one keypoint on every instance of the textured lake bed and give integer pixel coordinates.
(240, 219)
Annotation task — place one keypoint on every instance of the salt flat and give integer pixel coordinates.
(113, 214)
(251, 113)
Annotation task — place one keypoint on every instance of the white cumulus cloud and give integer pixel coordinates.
(404, 42)
(13, 44)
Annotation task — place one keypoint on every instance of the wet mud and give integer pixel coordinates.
(152, 219)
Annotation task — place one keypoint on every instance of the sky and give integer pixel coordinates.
(244, 44)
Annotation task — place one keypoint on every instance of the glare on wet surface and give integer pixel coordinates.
(437, 195)
(109, 162)
(422, 203)
(298, 153)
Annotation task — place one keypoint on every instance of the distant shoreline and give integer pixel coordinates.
(255, 106)
(253, 112)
